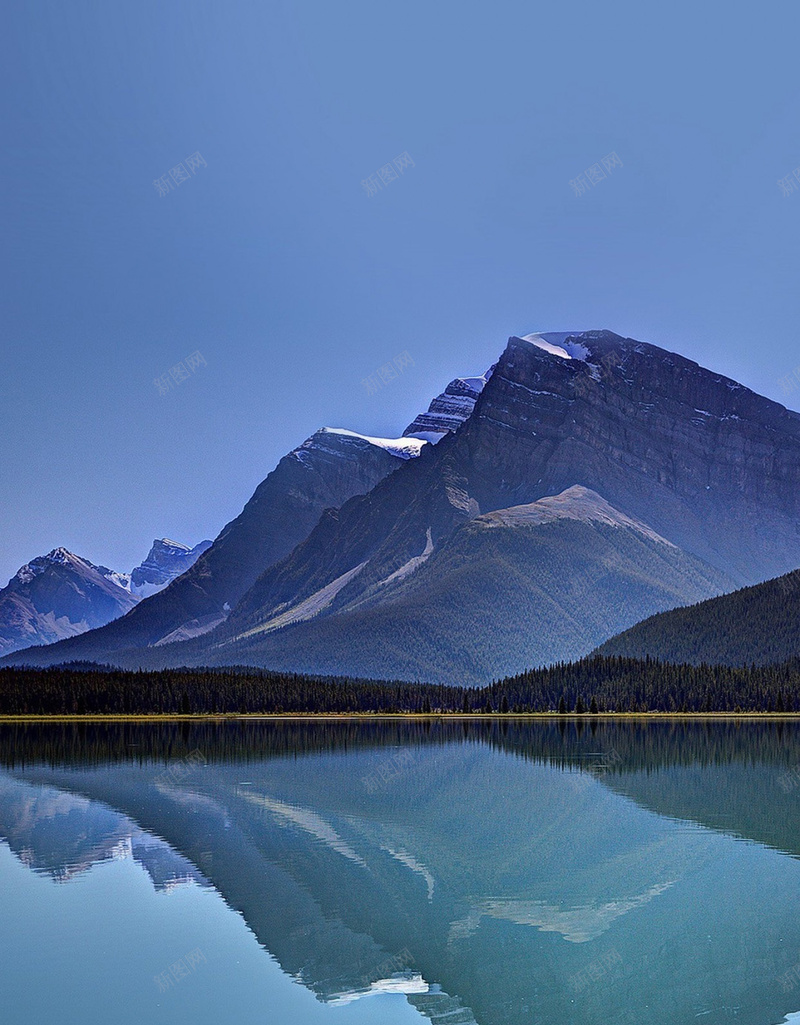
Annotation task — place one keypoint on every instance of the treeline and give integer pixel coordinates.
(592, 685)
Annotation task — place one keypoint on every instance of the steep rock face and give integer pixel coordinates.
(327, 469)
(448, 411)
(166, 560)
(56, 596)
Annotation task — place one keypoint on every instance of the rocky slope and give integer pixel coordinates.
(166, 560)
(518, 587)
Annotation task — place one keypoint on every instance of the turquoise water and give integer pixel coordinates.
(387, 873)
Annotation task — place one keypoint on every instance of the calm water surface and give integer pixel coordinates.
(400, 872)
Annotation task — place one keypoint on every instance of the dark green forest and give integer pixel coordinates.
(754, 625)
(589, 686)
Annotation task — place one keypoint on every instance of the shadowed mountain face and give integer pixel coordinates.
(527, 872)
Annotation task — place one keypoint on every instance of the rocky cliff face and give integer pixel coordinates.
(448, 411)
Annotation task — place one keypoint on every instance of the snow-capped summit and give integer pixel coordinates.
(61, 556)
(402, 448)
(560, 343)
(166, 560)
(58, 595)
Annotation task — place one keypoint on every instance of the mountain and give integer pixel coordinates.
(704, 462)
(330, 467)
(165, 561)
(688, 456)
(56, 596)
(517, 587)
(755, 625)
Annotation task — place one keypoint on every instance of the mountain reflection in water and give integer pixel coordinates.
(491, 872)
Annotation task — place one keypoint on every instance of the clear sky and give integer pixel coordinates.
(274, 264)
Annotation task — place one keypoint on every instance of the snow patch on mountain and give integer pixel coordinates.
(402, 448)
(563, 344)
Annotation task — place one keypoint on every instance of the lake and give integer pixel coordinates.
(456, 872)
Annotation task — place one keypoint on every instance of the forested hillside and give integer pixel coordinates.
(590, 686)
(756, 625)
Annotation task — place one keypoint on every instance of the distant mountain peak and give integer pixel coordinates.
(57, 557)
(61, 556)
(166, 560)
(168, 545)
(59, 595)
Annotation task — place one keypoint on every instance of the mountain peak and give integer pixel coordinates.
(574, 503)
(564, 344)
(61, 555)
(166, 560)
(169, 546)
(56, 557)
(448, 411)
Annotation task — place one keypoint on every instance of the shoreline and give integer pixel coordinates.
(584, 717)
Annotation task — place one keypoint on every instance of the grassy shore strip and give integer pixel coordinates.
(399, 716)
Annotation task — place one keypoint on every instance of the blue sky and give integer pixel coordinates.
(294, 285)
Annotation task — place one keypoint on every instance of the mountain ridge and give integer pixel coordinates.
(706, 464)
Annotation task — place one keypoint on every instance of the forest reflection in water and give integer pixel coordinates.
(487, 870)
